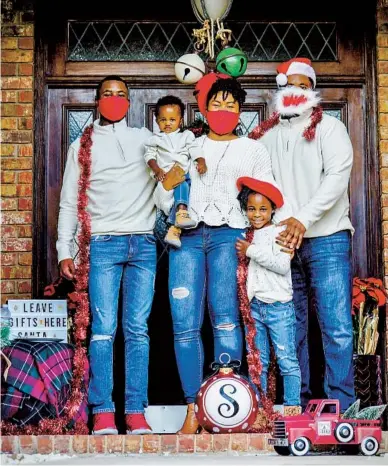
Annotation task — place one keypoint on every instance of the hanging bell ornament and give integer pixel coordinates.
(226, 401)
(189, 68)
(232, 61)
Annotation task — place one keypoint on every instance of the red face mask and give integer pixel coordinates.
(222, 122)
(113, 108)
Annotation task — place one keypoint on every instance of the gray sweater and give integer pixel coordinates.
(120, 193)
(313, 175)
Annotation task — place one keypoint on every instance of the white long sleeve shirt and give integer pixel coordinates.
(169, 148)
(313, 175)
(120, 194)
(269, 270)
(213, 196)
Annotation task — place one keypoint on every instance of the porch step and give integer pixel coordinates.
(239, 444)
(169, 419)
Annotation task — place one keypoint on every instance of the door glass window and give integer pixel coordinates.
(167, 41)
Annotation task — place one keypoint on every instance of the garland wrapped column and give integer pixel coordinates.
(253, 358)
(64, 425)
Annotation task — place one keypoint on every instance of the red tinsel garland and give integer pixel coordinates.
(63, 425)
(254, 363)
(273, 120)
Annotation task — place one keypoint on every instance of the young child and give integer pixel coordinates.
(172, 146)
(269, 286)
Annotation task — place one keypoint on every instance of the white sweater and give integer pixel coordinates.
(313, 175)
(168, 148)
(213, 196)
(120, 193)
(269, 270)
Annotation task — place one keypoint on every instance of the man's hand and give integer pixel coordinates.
(292, 236)
(67, 269)
(201, 165)
(160, 174)
(241, 247)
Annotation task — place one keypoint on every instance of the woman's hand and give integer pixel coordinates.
(241, 247)
(160, 174)
(201, 165)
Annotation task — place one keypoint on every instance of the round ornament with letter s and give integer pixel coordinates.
(226, 401)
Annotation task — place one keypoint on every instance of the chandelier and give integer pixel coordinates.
(190, 68)
(211, 13)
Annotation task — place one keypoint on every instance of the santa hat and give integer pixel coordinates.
(203, 87)
(295, 66)
(262, 187)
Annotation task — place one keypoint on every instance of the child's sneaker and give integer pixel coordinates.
(137, 424)
(183, 219)
(173, 237)
(104, 424)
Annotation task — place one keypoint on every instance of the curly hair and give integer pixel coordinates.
(227, 86)
(243, 196)
(169, 100)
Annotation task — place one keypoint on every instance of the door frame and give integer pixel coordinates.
(43, 79)
(46, 75)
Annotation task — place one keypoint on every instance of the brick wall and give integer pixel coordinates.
(17, 44)
(169, 444)
(382, 74)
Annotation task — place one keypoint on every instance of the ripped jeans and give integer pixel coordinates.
(276, 322)
(204, 269)
(130, 260)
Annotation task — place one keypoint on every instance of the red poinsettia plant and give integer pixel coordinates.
(368, 297)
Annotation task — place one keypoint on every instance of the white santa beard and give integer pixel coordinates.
(312, 97)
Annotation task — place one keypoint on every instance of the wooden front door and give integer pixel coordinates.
(71, 110)
(72, 57)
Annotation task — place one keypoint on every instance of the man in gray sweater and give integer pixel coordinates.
(122, 250)
(312, 158)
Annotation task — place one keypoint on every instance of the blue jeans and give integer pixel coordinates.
(204, 269)
(132, 260)
(181, 196)
(321, 271)
(275, 322)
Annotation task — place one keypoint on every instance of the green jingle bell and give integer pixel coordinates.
(232, 61)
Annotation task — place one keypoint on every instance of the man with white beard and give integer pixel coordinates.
(312, 158)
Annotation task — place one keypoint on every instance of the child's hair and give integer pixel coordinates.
(169, 100)
(111, 77)
(227, 86)
(243, 198)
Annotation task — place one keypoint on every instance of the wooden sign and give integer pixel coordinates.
(38, 319)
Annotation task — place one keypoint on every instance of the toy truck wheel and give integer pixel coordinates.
(344, 432)
(300, 447)
(282, 451)
(369, 446)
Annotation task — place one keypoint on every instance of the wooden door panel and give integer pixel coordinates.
(71, 107)
(63, 104)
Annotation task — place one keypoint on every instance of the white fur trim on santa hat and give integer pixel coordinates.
(297, 67)
(312, 97)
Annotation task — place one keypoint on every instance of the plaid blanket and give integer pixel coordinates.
(38, 382)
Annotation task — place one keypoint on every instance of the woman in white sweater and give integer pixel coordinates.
(203, 270)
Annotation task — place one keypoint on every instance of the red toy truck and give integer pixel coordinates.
(322, 424)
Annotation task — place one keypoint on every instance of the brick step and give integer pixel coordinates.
(134, 444)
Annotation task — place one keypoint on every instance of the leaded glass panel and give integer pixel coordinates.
(167, 41)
